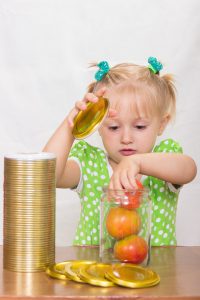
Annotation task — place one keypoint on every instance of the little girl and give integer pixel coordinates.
(142, 102)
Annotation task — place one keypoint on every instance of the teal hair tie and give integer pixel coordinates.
(154, 65)
(103, 70)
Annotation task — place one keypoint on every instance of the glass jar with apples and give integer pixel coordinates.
(125, 226)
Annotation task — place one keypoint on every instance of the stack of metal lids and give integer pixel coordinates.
(29, 212)
(104, 275)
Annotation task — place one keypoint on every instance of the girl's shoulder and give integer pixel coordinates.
(81, 148)
(168, 145)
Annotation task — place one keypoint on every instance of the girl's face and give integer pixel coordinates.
(132, 130)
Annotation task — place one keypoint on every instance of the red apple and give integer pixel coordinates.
(132, 249)
(133, 197)
(121, 222)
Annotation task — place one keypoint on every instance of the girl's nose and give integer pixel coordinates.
(127, 137)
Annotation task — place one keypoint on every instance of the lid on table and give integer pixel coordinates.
(94, 274)
(132, 276)
(72, 268)
(58, 271)
(89, 120)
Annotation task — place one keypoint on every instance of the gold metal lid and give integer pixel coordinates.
(73, 267)
(94, 274)
(132, 276)
(57, 271)
(88, 120)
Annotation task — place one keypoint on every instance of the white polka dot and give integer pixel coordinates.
(88, 170)
(83, 163)
(165, 235)
(95, 173)
(91, 155)
(81, 233)
(88, 238)
(94, 230)
(86, 218)
(155, 186)
(159, 198)
(99, 188)
(91, 213)
(92, 194)
(162, 189)
(85, 198)
(83, 242)
(156, 240)
(103, 176)
(156, 207)
(158, 220)
(90, 163)
(85, 177)
(162, 211)
(95, 181)
(89, 185)
(166, 142)
(95, 165)
(89, 206)
(160, 232)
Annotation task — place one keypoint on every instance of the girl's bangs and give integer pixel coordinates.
(143, 101)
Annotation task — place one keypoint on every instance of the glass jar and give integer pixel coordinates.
(125, 226)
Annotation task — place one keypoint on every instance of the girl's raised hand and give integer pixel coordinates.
(125, 173)
(81, 105)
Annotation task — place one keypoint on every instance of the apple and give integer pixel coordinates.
(122, 222)
(133, 197)
(131, 249)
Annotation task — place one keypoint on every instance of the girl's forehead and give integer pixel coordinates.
(131, 102)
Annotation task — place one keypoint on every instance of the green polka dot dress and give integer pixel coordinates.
(95, 175)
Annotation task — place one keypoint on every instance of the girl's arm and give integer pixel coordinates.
(68, 171)
(60, 144)
(171, 167)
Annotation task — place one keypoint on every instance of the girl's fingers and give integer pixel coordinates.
(125, 181)
(101, 92)
(115, 182)
(80, 105)
(112, 113)
(90, 97)
(131, 178)
(71, 117)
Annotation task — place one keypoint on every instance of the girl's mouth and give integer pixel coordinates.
(127, 152)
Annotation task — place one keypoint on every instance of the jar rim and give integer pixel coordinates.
(144, 190)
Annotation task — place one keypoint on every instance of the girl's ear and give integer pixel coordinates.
(163, 123)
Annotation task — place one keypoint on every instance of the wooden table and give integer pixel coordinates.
(178, 267)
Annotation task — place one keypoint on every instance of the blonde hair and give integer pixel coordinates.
(159, 91)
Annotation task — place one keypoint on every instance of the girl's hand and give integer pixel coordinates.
(125, 173)
(81, 105)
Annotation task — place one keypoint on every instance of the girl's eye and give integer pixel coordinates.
(113, 128)
(140, 127)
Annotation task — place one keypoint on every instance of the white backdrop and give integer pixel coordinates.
(45, 49)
